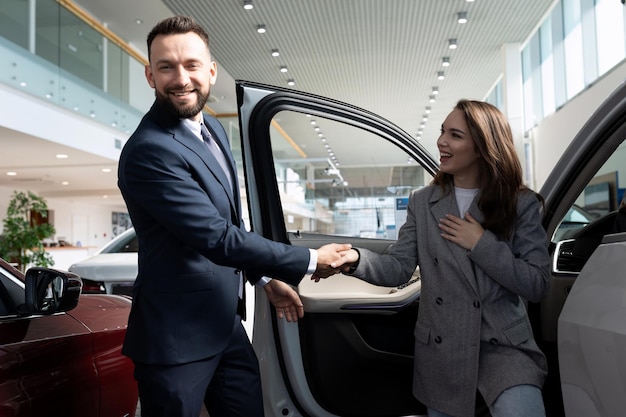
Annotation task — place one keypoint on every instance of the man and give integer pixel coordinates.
(185, 335)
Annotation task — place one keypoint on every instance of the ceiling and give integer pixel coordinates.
(381, 55)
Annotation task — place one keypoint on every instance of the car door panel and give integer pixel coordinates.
(352, 353)
(36, 348)
(342, 293)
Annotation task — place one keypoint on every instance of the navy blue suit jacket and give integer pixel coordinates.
(192, 243)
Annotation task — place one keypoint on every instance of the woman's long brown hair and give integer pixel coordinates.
(500, 170)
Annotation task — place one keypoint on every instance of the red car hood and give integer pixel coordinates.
(102, 312)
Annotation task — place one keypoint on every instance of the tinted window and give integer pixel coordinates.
(597, 204)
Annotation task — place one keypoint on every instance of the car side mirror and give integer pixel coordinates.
(51, 291)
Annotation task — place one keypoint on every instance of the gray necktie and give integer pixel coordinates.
(215, 149)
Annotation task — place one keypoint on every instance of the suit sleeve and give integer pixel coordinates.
(398, 265)
(167, 187)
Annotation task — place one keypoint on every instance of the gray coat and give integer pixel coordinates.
(472, 331)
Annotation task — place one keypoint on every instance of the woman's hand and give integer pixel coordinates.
(464, 232)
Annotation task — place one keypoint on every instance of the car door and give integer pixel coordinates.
(582, 322)
(319, 171)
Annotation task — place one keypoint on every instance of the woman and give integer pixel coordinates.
(476, 235)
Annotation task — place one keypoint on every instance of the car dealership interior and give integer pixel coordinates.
(333, 109)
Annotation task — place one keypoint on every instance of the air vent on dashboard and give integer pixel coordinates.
(565, 259)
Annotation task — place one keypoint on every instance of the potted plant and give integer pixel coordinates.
(22, 238)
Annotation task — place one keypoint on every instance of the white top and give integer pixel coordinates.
(464, 198)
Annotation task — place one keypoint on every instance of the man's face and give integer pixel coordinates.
(181, 73)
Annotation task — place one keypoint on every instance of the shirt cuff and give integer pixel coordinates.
(312, 262)
(263, 281)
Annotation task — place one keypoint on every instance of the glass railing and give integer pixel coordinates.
(51, 53)
(37, 77)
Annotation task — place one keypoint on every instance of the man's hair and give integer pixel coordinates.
(177, 25)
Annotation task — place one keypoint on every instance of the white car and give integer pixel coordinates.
(111, 270)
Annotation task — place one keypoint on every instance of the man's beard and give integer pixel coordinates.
(183, 112)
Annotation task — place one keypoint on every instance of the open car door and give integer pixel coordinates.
(318, 171)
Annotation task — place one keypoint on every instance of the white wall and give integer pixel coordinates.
(76, 221)
(553, 134)
(88, 224)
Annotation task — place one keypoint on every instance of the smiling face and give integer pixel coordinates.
(459, 156)
(181, 73)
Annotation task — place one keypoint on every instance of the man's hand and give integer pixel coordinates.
(348, 258)
(285, 299)
(330, 259)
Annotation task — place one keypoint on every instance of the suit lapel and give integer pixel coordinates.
(443, 204)
(183, 135)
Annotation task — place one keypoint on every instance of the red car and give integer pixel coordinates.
(61, 355)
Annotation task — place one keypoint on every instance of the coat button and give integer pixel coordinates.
(436, 261)
(493, 341)
(476, 303)
(439, 300)
(437, 339)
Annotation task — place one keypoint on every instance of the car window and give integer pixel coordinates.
(351, 184)
(11, 292)
(597, 204)
(129, 244)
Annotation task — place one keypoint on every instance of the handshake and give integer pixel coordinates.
(333, 259)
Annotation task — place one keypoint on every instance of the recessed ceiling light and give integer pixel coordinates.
(138, 21)
(260, 29)
(65, 183)
(11, 173)
(247, 4)
(275, 52)
(291, 82)
(106, 169)
(62, 156)
(283, 68)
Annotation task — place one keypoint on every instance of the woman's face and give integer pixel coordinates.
(458, 155)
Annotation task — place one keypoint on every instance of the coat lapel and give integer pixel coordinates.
(442, 204)
(183, 135)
